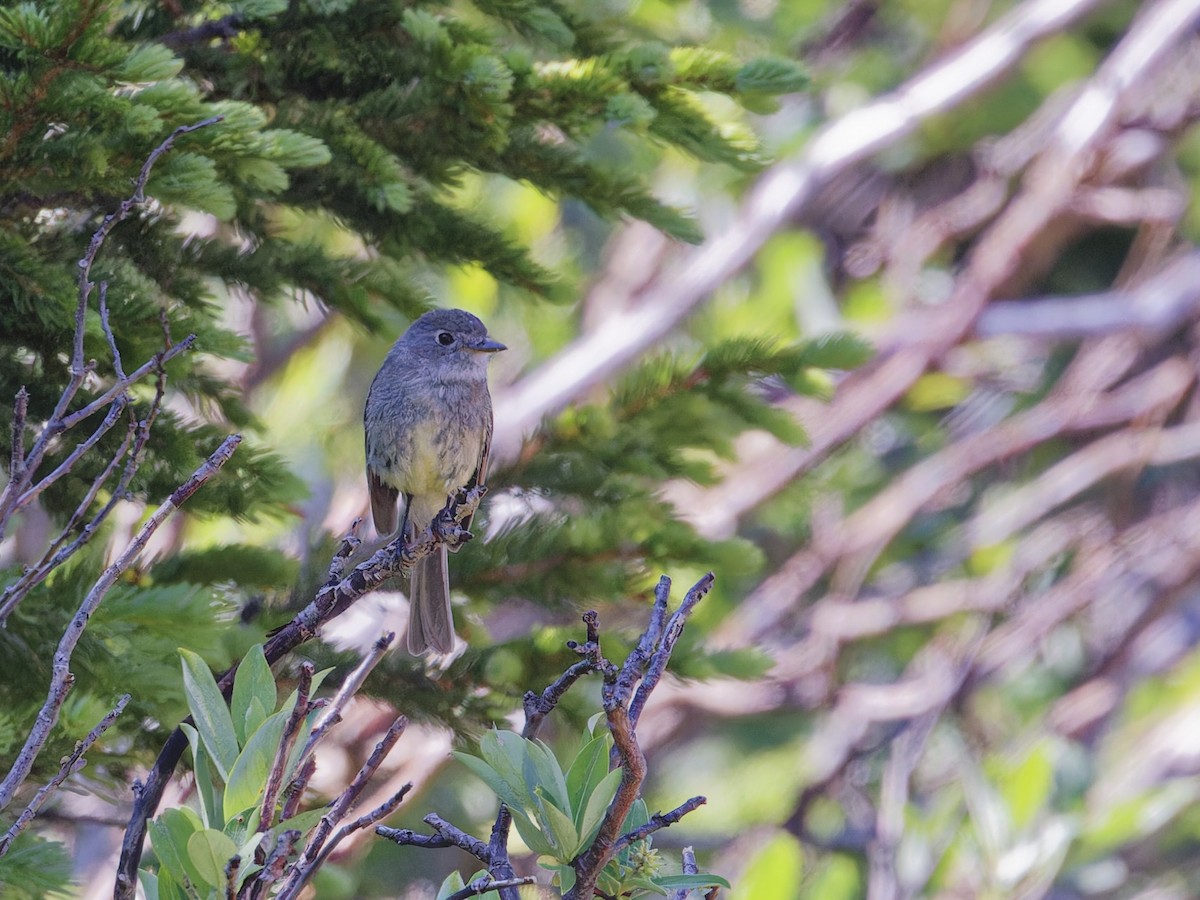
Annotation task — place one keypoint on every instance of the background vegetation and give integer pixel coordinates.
(883, 312)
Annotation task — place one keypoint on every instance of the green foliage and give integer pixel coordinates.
(34, 868)
(558, 814)
(233, 749)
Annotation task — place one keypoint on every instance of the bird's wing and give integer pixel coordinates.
(480, 474)
(383, 503)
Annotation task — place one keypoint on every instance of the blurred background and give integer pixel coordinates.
(884, 312)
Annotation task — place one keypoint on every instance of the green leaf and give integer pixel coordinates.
(169, 834)
(149, 62)
(209, 712)
(533, 836)
(254, 694)
(597, 805)
(508, 794)
(558, 826)
(588, 769)
(248, 777)
(170, 852)
(453, 883)
(210, 796)
(541, 770)
(837, 350)
(210, 851)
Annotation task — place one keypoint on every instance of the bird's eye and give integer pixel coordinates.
(445, 338)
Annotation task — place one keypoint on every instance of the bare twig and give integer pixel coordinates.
(16, 465)
(657, 822)
(61, 677)
(459, 838)
(306, 865)
(114, 413)
(645, 663)
(407, 838)
(108, 332)
(379, 813)
(689, 868)
(275, 776)
(71, 763)
(487, 883)
(57, 554)
(331, 715)
(59, 420)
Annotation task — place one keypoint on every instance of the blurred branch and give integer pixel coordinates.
(784, 192)
(1163, 303)
(1076, 404)
(920, 337)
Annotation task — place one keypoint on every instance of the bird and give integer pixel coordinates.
(428, 429)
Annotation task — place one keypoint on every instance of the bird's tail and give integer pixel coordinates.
(430, 624)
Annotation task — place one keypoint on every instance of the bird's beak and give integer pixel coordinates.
(487, 345)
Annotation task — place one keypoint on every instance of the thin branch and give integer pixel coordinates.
(13, 594)
(331, 715)
(114, 413)
(70, 765)
(311, 855)
(379, 813)
(458, 838)
(16, 465)
(61, 677)
(59, 420)
(670, 635)
(108, 332)
(689, 868)
(266, 818)
(657, 822)
(408, 838)
(55, 554)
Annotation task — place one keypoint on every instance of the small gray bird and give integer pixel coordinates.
(428, 423)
